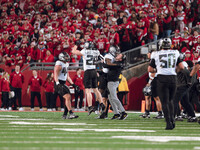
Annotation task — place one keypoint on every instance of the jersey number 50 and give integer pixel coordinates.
(167, 60)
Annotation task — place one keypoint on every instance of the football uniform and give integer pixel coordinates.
(165, 62)
(61, 88)
(90, 74)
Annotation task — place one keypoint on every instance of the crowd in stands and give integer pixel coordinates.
(38, 30)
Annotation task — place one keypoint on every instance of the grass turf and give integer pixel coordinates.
(44, 136)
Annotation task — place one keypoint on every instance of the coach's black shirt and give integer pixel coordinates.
(114, 71)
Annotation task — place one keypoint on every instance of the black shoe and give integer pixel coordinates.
(116, 116)
(90, 110)
(173, 124)
(159, 116)
(184, 116)
(192, 119)
(103, 116)
(123, 116)
(179, 118)
(145, 115)
(73, 116)
(169, 126)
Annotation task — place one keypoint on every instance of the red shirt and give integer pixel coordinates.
(5, 85)
(35, 83)
(48, 58)
(78, 81)
(16, 79)
(48, 85)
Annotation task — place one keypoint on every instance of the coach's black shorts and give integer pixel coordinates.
(90, 79)
(61, 88)
(103, 81)
(154, 87)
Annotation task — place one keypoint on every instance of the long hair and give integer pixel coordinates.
(48, 78)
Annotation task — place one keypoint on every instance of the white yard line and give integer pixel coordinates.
(158, 138)
(20, 119)
(103, 130)
(48, 123)
(9, 116)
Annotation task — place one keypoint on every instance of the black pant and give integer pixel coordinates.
(120, 96)
(77, 94)
(194, 98)
(182, 94)
(61, 100)
(5, 100)
(18, 95)
(38, 95)
(49, 99)
(166, 92)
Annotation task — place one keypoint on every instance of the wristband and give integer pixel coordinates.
(57, 83)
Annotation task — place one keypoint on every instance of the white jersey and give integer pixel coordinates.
(107, 56)
(63, 72)
(165, 61)
(88, 58)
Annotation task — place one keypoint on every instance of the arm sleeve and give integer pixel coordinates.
(152, 63)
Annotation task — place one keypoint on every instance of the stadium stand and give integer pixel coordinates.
(30, 28)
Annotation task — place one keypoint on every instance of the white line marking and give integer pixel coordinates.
(19, 119)
(9, 116)
(158, 138)
(103, 130)
(47, 123)
(196, 147)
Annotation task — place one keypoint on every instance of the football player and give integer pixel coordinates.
(164, 62)
(90, 55)
(61, 75)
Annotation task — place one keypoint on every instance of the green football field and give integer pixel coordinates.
(46, 130)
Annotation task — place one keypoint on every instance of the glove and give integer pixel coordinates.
(76, 88)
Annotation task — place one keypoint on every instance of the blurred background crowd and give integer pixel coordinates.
(38, 30)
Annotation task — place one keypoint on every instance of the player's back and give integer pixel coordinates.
(166, 61)
(89, 56)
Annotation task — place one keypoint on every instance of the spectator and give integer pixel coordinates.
(49, 57)
(49, 89)
(78, 80)
(34, 85)
(153, 29)
(5, 89)
(16, 80)
(167, 23)
(122, 88)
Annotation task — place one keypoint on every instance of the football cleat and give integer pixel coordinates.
(192, 119)
(169, 126)
(159, 116)
(90, 110)
(123, 116)
(73, 116)
(179, 118)
(145, 115)
(103, 116)
(116, 116)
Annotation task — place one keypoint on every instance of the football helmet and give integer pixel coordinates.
(64, 56)
(113, 50)
(166, 43)
(147, 90)
(89, 45)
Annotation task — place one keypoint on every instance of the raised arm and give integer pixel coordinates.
(76, 52)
